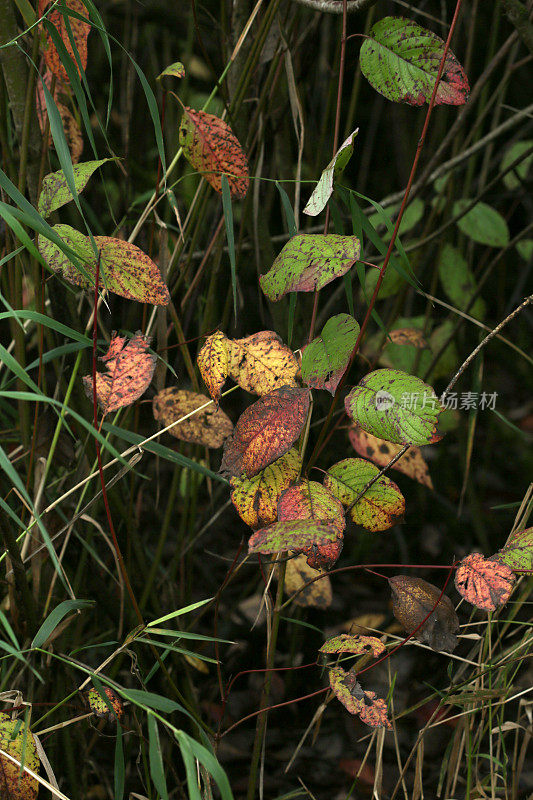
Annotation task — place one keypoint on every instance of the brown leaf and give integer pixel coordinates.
(129, 373)
(371, 710)
(265, 431)
(484, 582)
(80, 32)
(411, 336)
(262, 363)
(16, 740)
(317, 595)
(71, 128)
(380, 452)
(213, 363)
(412, 600)
(310, 500)
(208, 427)
(100, 708)
(212, 148)
(256, 499)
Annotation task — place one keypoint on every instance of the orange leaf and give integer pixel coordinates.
(80, 32)
(17, 741)
(71, 128)
(129, 373)
(484, 582)
(212, 148)
(265, 431)
(371, 710)
(100, 708)
(381, 452)
(411, 336)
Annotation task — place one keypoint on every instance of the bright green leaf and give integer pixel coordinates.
(325, 359)
(55, 191)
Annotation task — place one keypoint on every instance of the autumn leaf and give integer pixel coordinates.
(381, 507)
(265, 431)
(356, 645)
(484, 582)
(175, 70)
(325, 359)
(413, 599)
(71, 128)
(324, 188)
(400, 59)
(412, 336)
(17, 741)
(261, 363)
(55, 192)
(381, 452)
(309, 261)
(124, 268)
(256, 499)
(213, 363)
(100, 708)
(369, 708)
(212, 148)
(208, 427)
(317, 595)
(296, 535)
(309, 500)
(395, 406)
(80, 32)
(518, 551)
(129, 373)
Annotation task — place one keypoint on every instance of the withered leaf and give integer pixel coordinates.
(412, 336)
(369, 708)
(100, 708)
(256, 499)
(16, 739)
(261, 363)
(208, 427)
(381, 452)
(129, 372)
(413, 599)
(484, 582)
(357, 645)
(265, 431)
(295, 535)
(213, 363)
(317, 595)
(80, 32)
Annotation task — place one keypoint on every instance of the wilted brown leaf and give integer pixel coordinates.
(317, 595)
(16, 739)
(71, 128)
(213, 363)
(411, 336)
(100, 708)
(484, 582)
(380, 452)
(256, 499)
(208, 427)
(80, 31)
(371, 710)
(413, 599)
(262, 363)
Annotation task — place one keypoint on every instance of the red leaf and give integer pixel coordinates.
(484, 582)
(371, 710)
(310, 500)
(80, 32)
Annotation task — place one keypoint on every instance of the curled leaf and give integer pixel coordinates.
(324, 188)
(317, 595)
(100, 708)
(356, 645)
(213, 363)
(80, 32)
(381, 452)
(325, 359)
(208, 427)
(369, 708)
(518, 551)
(256, 499)
(413, 599)
(265, 431)
(175, 70)
(312, 501)
(484, 582)
(129, 373)
(296, 535)
(261, 363)
(17, 741)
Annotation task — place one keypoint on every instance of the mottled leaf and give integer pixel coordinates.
(208, 427)
(265, 431)
(309, 261)
(261, 363)
(129, 373)
(356, 645)
(175, 70)
(484, 582)
(212, 148)
(17, 740)
(518, 552)
(482, 223)
(296, 535)
(400, 59)
(71, 129)
(458, 281)
(317, 595)
(371, 710)
(519, 174)
(100, 708)
(80, 32)
(395, 406)
(128, 271)
(326, 358)
(256, 499)
(408, 336)
(312, 501)
(55, 192)
(412, 600)
(381, 452)
(324, 188)
(381, 507)
(213, 363)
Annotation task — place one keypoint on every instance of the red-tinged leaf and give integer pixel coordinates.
(295, 536)
(484, 582)
(400, 59)
(100, 708)
(324, 556)
(413, 599)
(381, 452)
(256, 499)
(265, 431)
(381, 507)
(80, 32)
(325, 359)
(213, 363)
(208, 427)
(17, 741)
(312, 501)
(212, 148)
(124, 268)
(518, 551)
(371, 710)
(129, 372)
(356, 645)
(310, 261)
(261, 363)
(71, 129)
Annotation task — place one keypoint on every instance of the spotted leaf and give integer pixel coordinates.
(325, 359)
(100, 708)
(371, 710)
(17, 741)
(213, 363)
(256, 499)
(413, 599)
(484, 582)
(291, 536)
(518, 552)
(356, 645)
(261, 363)
(309, 500)
(80, 32)
(55, 192)
(208, 427)
(381, 452)
(317, 595)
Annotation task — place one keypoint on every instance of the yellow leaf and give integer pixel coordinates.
(208, 427)
(317, 595)
(261, 363)
(256, 499)
(213, 363)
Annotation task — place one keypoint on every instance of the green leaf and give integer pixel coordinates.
(175, 70)
(324, 188)
(525, 249)
(518, 551)
(458, 281)
(209, 761)
(293, 535)
(448, 359)
(55, 617)
(309, 262)
(391, 283)
(482, 223)
(518, 175)
(400, 59)
(228, 222)
(395, 406)
(157, 770)
(55, 191)
(411, 217)
(325, 359)
(120, 769)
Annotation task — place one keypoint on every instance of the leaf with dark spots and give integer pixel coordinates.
(312, 501)
(17, 741)
(317, 594)
(356, 645)
(325, 359)
(381, 452)
(484, 582)
(100, 708)
(370, 709)
(296, 536)
(518, 551)
(213, 363)
(412, 600)
(55, 192)
(208, 427)
(129, 373)
(80, 32)
(256, 499)
(265, 431)
(261, 363)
